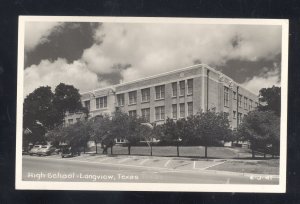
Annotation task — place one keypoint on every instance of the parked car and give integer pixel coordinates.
(34, 150)
(69, 152)
(46, 150)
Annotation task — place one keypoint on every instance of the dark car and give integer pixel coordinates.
(69, 152)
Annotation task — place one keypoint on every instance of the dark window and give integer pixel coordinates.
(160, 92)
(132, 97)
(146, 114)
(146, 95)
(174, 111)
(132, 113)
(182, 110)
(240, 100)
(101, 102)
(120, 99)
(174, 89)
(190, 86)
(160, 113)
(182, 88)
(226, 96)
(87, 104)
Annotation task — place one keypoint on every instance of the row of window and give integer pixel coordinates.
(101, 102)
(159, 92)
(160, 111)
(246, 105)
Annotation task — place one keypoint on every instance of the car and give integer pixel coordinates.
(34, 150)
(69, 152)
(46, 150)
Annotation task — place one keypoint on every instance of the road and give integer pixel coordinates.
(108, 169)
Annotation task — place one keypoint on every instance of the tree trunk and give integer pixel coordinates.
(111, 150)
(205, 152)
(84, 149)
(96, 147)
(150, 149)
(129, 147)
(253, 154)
(177, 150)
(264, 155)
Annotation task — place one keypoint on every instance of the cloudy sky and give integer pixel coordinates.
(95, 55)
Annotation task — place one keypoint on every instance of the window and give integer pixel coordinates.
(174, 111)
(174, 89)
(182, 110)
(234, 114)
(234, 95)
(101, 102)
(146, 95)
(132, 97)
(239, 118)
(190, 86)
(120, 99)
(160, 92)
(250, 104)
(70, 121)
(190, 108)
(245, 102)
(182, 88)
(146, 114)
(240, 100)
(87, 104)
(132, 113)
(160, 113)
(77, 119)
(226, 96)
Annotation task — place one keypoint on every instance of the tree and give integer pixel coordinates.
(100, 131)
(67, 98)
(172, 132)
(210, 128)
(126, 127)
(261, 129)
(38, 107)
(272, 98)
(148, 131)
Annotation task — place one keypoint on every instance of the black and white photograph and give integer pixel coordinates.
(152, 104)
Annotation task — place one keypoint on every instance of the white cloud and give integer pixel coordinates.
(37, 33)
(156, 48)
(265, 80)
(152, 49)
(53, 73)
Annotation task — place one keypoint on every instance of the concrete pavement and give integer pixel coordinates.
(141, 169)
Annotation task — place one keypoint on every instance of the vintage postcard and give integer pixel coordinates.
(152, 104)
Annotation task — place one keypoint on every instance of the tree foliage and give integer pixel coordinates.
(210, 128)
(66, 98)
(262, 130)
(48, 109)
(272, 98)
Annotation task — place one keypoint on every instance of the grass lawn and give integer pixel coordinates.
(270, 166)
(184, 151)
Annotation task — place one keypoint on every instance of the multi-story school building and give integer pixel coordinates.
(175, 94)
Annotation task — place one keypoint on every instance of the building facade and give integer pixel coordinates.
(176, 94)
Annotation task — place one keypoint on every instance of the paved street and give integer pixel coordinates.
(137, 169)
